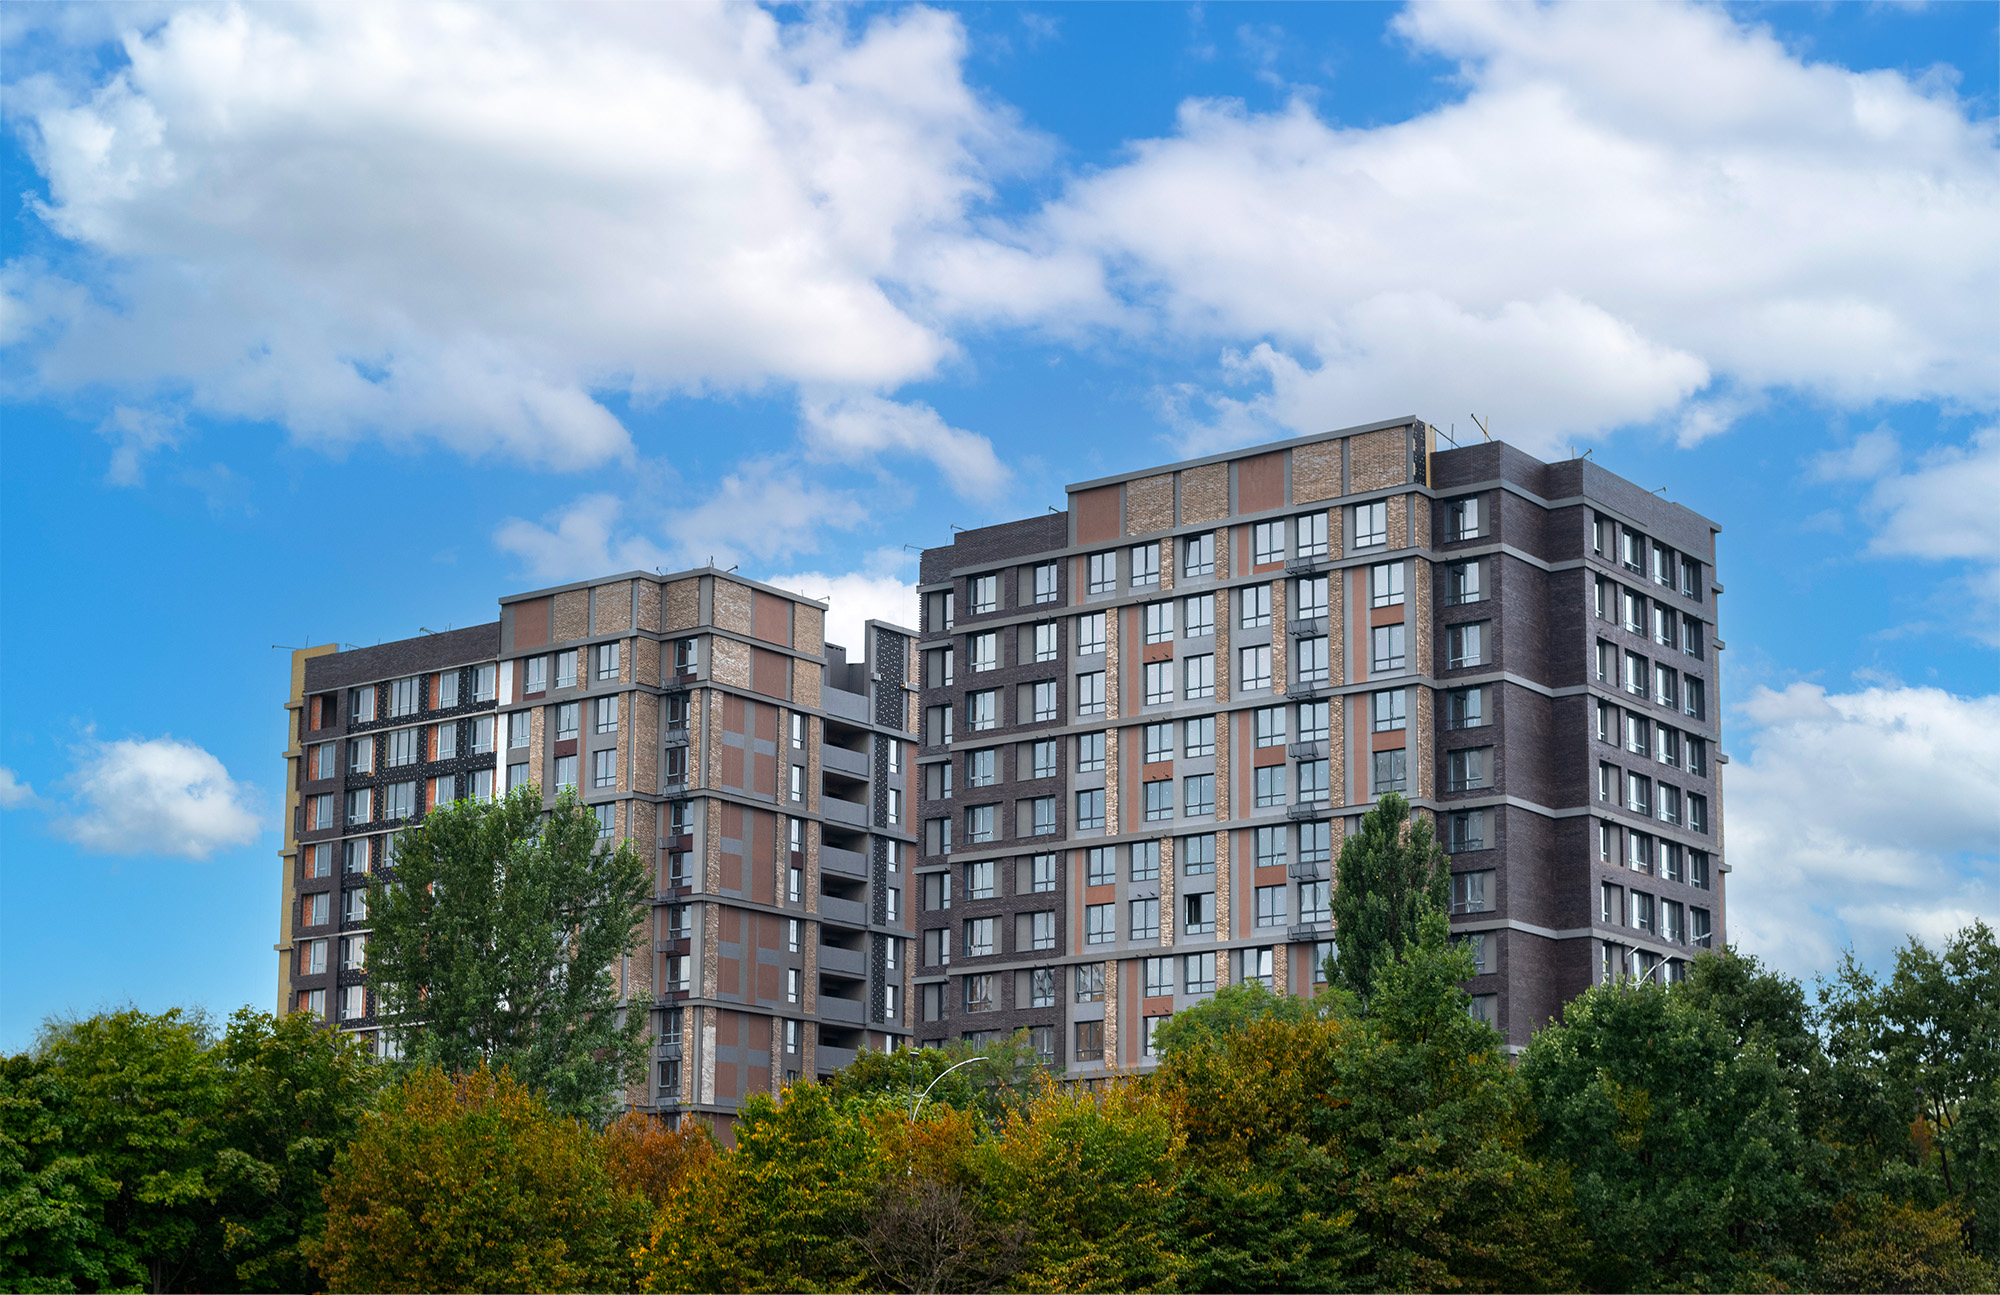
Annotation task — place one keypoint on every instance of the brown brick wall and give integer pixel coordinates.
(1425, 756)
(1149, 504)
(1112, 817)
(572, 615)
(729, 661)
(1111, 1058)
(613, 607)
(1205, 494)
(732, 606)
(805, 681)
(1420, 614)
(649, 605)
(645, 742)
(808, 629)
(683, 605)
(1223, 885)
(1168, 871)
(1280, 655)
(1399, 521)
(1377, 460)
(1316, 472)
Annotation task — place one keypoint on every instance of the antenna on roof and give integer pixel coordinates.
(1661, 491)
(955, 526)
(1481, 426)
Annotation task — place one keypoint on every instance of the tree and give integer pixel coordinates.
(496, 941)
(1391, 872)
(647, 1158)
(1685, 1147)
(53, 1234)
(471, 1182)
(933, 1226)
(1006, 1076)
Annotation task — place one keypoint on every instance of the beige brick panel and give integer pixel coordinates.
(711, 850)
(729, 661)
(732, 606)
(805, 682)
(714, 748)
(781, 861)
(708, 1042)
(1205, 494)
(1149, 504)
(1222, 767)
(1281, 640)
(646, 662)
(1422, 505)
(572, 615)
(1167, 876)
(1316, 472)
(645, 742)
(809, 630)
(1281, 970)
(815, 735)
(809, 1053)
(1336, 756)
(649, 605)
(812, 869)
(613, 608)
(683, 605)
(711, 944)
(1223, 929)
(1426, 755)
(642, 830)
(538, 751)
(1377, 460)
(1222, 567)
(1399, 521)
(1336, 627)
(1111, 796)
(1224, 616)
(1420, 612)
(1167, 564)
(809, 992)
(1111, 1015)
(1112, 663)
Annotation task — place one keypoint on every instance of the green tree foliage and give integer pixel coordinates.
(471, 1182)
(1390, 874)
(496, 942)
(139, 1149)
(991, 1078)
(1329, 1151)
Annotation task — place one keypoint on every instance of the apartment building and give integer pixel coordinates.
(705, 720)
(1148, 722)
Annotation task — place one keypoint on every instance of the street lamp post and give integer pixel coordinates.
(918, 1108)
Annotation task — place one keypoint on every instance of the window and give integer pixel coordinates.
(1468, 769)
(1042, 874)
(1638, 674)
(1042, 812)
(361, 755)
(1090, 633)
(1199, 675)
(1159, 976)
(1607, 783)
(1611, 904)
(1385, 649)
(1464, 645)
(1042, 980)
(1159, 680)
(1642, 911)
(1089, 810)
(1198, 794)
(1693, 700)
(1312, 535)
(1159, 800)
(402, 747)
(1103, 573)
(1604, 667)
(1145, 865)
(1090, 1040)
(1666, 687)
(1255, 667)
(985, 652)
(1145, 565)
(517, 776)
(1466, 830)
(1461, 583)
(1042, 758)
(316, 909)
(517, 729)
(980, 995)
(448, 690)
(317, 860)
(1633, 617)
(1639, 794)
(1159, 739)
(1200, 735)
(1471, 892)
(1388, 709)
(1669, 802)
(1197, 855)
(1638, 734)
(1100, 866)
(1090, 753)
(1309, 661)
(982, 710)
(1672, 862)
(1159, 622)
(1385, 585)
(1313, 720)
(485, 682)
(604, 714)
(446, 739)
(607, 660)
(1270, 786)
(1315, 842)
(1691, 636)
(979, 824)
(323, 760)
(354, 905)
(1198, 912)
(1699, 933)
(1673, 928)
(569, 720)
(1315, 902)
(1269, 722)
(979, 937)
(1269, 847)
(1100, 924)
(1601, 597)
(1697, 813)
(354, 856)
(1045, 582)
(1044, 644)
(1090, 983)
(1463, 517)
(1267, 542)
(360, 807)
(565, 771)
(354, 953)
(1090, 694)
(1256, 965)
(1198, 619)
(980, 771)
(1145, 919)
(361, 704)
(1638, 852)
(1042, 702)
(798, 783)
(1311, 598)
(1631, 550)
(1666, 626)
(1198, 973)
(1371, 524)
(1391, 771)
(1254, 606)
(1198, 555)
(985, 594)
(534, 675)
(937, 780)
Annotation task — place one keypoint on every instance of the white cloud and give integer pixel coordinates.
(15, 794)
(1867, 457)
(136, 433)
(156, 796)
(1861, 817)
(1633, 205)
(1945, 507)
(861, 426)
(460, 223)
(879, 591)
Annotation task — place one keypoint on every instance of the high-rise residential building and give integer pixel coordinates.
(705, 720)
(1149, 721)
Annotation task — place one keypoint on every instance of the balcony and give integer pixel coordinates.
(1306, 688)
(830, 1059)
(851, 1010)
(1307, 626)
(1308, 934)
(1306, 750)
(850, 812)
(1305, 565)
(1309, 811)
(676, 735)
(851, 912)
(1303, 871)
(846, 962)
(847, 705)
(841, 760)
(853, 863)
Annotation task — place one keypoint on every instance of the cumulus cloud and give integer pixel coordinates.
(861, 426)
(1631, 207)
(15, 794)
(1861, 817)
(462, 223)
(156, 796)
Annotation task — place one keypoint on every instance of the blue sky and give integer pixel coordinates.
(330, 323)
